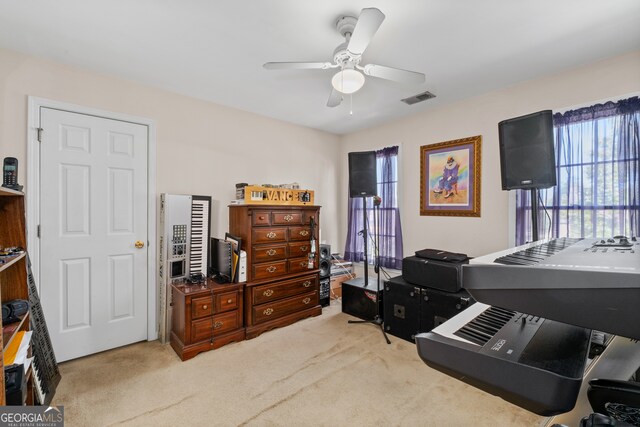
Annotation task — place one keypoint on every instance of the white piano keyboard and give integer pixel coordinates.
(199, 243)
(451, 326)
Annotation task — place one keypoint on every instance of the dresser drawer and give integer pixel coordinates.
(268, 235)
(269, 253)
(306, 218)
(269, 269)
(299, 233)
(201, 329)
(298, 265)
(261, 218)
(273, 310)
(299, 249)
(287, 218)
(226, 301)
(271, 292)
(201, 307)
(225, 322)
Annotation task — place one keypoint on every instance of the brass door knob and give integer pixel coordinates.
(139, 244)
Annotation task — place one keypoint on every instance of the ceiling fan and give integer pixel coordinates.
(358, 33)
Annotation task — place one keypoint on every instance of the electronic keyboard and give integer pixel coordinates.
(593, 283)
(527, 360)
(200, 235)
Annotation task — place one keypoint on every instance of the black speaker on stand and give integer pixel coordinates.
(363, 183)
(527, 156)
(325, 275)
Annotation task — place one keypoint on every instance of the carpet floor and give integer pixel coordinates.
(318, 372)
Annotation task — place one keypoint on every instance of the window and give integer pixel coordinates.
(382, 222)
(598, 175)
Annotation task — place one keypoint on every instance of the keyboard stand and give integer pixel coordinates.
(619, 360)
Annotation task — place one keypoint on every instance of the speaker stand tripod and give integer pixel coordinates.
(377, 320)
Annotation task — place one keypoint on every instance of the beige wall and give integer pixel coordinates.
(480, 115)
(202, 148)
(220, 146)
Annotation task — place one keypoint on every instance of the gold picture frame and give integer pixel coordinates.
(450, 177)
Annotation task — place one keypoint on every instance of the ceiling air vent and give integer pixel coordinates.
(418, 98)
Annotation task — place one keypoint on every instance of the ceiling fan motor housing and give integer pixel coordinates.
(346, 24)
(341, 56)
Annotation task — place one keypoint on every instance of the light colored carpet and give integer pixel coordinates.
(317, 372)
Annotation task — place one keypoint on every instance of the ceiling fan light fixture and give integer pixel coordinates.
(347, 81)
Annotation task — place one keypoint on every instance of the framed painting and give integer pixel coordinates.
(450, 177)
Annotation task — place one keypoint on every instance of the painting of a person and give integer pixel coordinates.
(449, 178)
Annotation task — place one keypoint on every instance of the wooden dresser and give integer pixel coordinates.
(205, 316)
(281, 288)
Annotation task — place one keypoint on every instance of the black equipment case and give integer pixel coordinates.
(411, 309)
(435, 269)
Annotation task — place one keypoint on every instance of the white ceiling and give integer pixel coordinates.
(214, 50)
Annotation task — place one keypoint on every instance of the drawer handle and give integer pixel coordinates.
(307, 300)
(304, 233)
(218, 325)
(271, 268)
(272, 252)
(303, 248)
(307, 283)
(261, 217)
(268, 292)
(229, 301)
(303, 264)
(271, 235)
(288, 218)
(204, 307)
(268, 312)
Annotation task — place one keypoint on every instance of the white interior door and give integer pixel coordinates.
(93, 232)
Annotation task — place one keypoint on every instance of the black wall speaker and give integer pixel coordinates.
(362, 174)
(527, 158)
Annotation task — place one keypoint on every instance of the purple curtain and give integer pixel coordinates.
(382, 223)
(598, 175)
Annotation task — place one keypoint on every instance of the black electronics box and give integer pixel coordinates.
(411, 309)
(325, 291)
(12, 310)
(15, 383)
(445, 275)
(359, 300)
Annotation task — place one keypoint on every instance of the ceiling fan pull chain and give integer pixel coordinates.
(351, 104)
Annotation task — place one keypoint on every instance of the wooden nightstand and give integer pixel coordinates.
(206, 316)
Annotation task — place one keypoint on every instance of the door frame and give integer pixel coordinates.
(33, 193)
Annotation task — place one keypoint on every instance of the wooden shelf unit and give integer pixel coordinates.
(13, 272)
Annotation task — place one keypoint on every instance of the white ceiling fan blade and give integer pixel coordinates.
(297, 65)
(335, 98)
(368, 23)
(395, 74)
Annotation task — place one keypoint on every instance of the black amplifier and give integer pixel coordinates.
(359, 300)
(325, 291)
(436, 274)
(410, 309)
